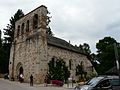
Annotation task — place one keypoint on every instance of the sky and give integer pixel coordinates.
(77, 21)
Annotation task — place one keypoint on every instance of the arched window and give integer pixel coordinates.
(22, 28)
(18, 30)
(35, 21)
(27, 26)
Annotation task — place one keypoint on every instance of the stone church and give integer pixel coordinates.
(32, 49)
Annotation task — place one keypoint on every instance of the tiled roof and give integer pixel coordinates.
(62, 44)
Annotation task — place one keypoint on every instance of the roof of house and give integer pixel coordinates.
(54, 41)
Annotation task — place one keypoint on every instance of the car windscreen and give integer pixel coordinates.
(94, 81)
(115, 82)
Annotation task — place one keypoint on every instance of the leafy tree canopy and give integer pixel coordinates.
(105, 54)
(10, 28)
(58, 70)
(105, 44)
(85, 48)
(7, 41)
(0, 38)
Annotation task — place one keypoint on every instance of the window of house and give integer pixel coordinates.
(70, 64)
(35, 21)
(53, 61)
(27, 26)
(22, 28)
(18, 30)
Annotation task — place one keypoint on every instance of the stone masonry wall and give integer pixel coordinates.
(69, 55)
(30, 51)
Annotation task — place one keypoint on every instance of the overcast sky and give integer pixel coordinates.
(80, 21)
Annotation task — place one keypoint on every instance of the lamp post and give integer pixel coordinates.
(117, 60)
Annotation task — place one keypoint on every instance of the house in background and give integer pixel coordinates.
(32, 49)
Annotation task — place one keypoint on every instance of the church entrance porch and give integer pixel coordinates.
(20, 72)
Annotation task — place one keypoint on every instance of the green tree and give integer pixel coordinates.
(94, 60)
(80, 47)
(0, 51)
(106, 55)
(0, 38)
(10, 28)
(80, 71)
(3, 60)
(85, 48)
(3, 56)
(48, 29)
(49, 32)
(58, 70)
(7, 41)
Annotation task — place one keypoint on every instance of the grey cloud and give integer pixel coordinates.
(79, 20)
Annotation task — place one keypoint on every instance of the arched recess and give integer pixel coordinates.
(35, 21)
(19, 69)
(22, 28)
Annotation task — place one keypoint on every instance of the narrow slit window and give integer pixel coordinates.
(18, 30)
(70, 64)
(22, 28)
(27, 26)
(35, 21)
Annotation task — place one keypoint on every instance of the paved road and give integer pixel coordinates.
(8, 85)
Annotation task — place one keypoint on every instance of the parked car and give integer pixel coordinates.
(6, 76)
(57, 82)
(101, 83)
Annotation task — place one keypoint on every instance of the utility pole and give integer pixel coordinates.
(117, 60)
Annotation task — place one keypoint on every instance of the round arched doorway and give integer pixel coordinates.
(19, 70)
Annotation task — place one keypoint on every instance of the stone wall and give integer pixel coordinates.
(29, 49)
(67, 55)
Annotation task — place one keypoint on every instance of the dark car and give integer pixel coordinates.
(101, 83)
(6, 76)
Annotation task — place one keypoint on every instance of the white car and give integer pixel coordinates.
(101, 83)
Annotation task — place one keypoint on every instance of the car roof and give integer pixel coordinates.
(101, 78)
